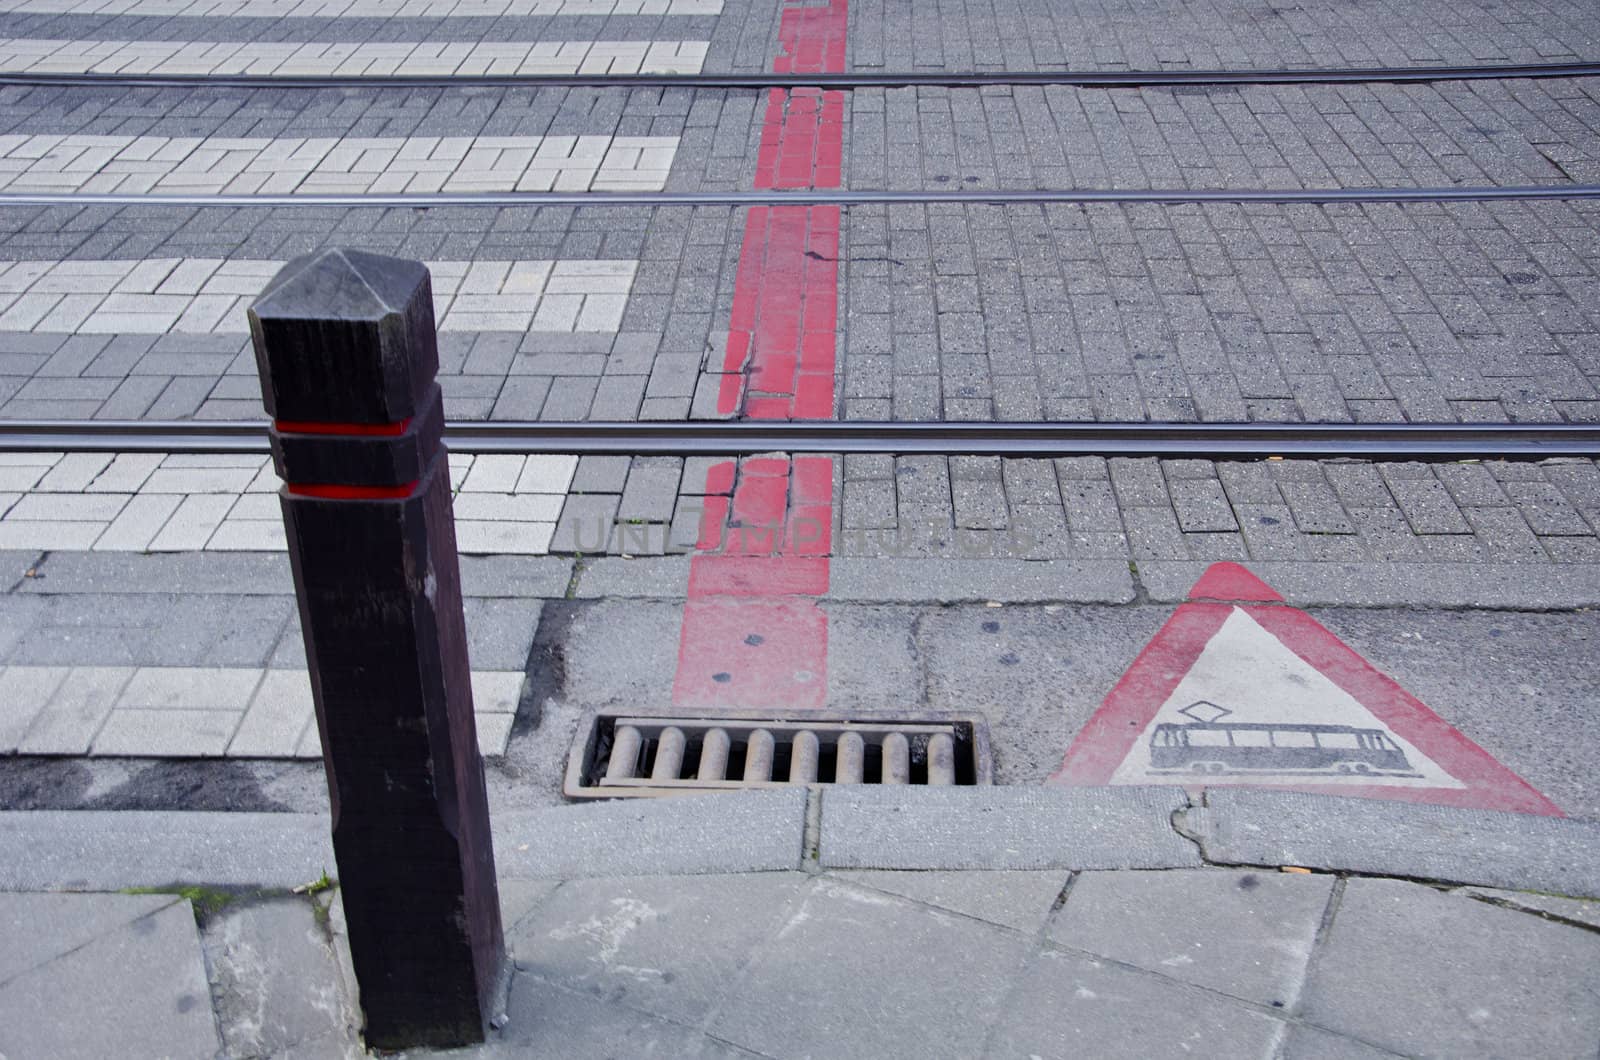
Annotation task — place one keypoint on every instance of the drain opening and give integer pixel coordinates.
(620, 755)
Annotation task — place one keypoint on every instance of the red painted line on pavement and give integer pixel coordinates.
(753, 633)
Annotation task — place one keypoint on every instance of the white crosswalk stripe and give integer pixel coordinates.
(159, 502)
(360, 8)
(267, 59)
(332, 165)
(209, 296)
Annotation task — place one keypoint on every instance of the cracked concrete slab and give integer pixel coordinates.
(1414, 840)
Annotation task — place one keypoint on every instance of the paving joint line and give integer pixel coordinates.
(1507, 903)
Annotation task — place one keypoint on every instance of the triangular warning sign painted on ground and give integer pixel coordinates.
(1239, 688)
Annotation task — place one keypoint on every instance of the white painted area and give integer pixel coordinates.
(208, 296)
(217, 165)
(1251, 674)
(194, 712)
(359, 8)
(269, 59)
(155, 502)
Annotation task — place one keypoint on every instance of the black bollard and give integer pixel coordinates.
(347, 352)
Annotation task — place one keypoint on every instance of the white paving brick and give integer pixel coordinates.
(494, 474)
(351, 165)
(24, 691)
(507, 507)
(277, 717)
(483, 538)
(214, 460)
(21, 477)
(68, 507)
(126, 473)
(496, 691)
(48, 535)
(257, 506)
(74, 472)
(166, 733)
(503, 504)
(139, 523)
(547, 473)
(167, 479)
(310, 745)
(69, 721)
(248, 535)
(192, 525)
(460, 467)
(371, 9)
(190, 688)
(510, 295)
(494, 732)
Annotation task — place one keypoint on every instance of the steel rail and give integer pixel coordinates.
(859, 79)
(1453, 441)
(829, 197)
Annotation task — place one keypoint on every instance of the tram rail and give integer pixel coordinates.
(843, 81)
(824, 197)
(1411, 441)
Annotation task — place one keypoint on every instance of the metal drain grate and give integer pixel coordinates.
(622, 755)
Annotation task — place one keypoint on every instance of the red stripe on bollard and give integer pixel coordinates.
(359, 430)
(352, 493)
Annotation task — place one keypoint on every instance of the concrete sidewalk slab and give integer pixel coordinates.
(1419, 972)
(103, 975)
(1244, 934)
(852, 973)
(1416, 840)
(1002, 828)
(1068, 1004)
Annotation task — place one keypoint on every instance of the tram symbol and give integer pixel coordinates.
(1210, 745)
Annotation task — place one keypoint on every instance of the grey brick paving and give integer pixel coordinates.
(687, 258)
(918, 528)
(1029, 34)
(1431, 313)
(1147, 509)
(1269, 136)
(742, 36)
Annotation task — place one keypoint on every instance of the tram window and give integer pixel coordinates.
(1208, 737)
(1291, 738)
(1339, 739)
(1252, 737)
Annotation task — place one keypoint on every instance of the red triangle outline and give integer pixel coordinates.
(1110, 733)
(1232, 581)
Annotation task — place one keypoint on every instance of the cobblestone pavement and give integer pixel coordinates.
(1155, 34)
(1363, 313)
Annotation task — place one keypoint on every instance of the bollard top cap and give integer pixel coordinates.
(343, 336)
